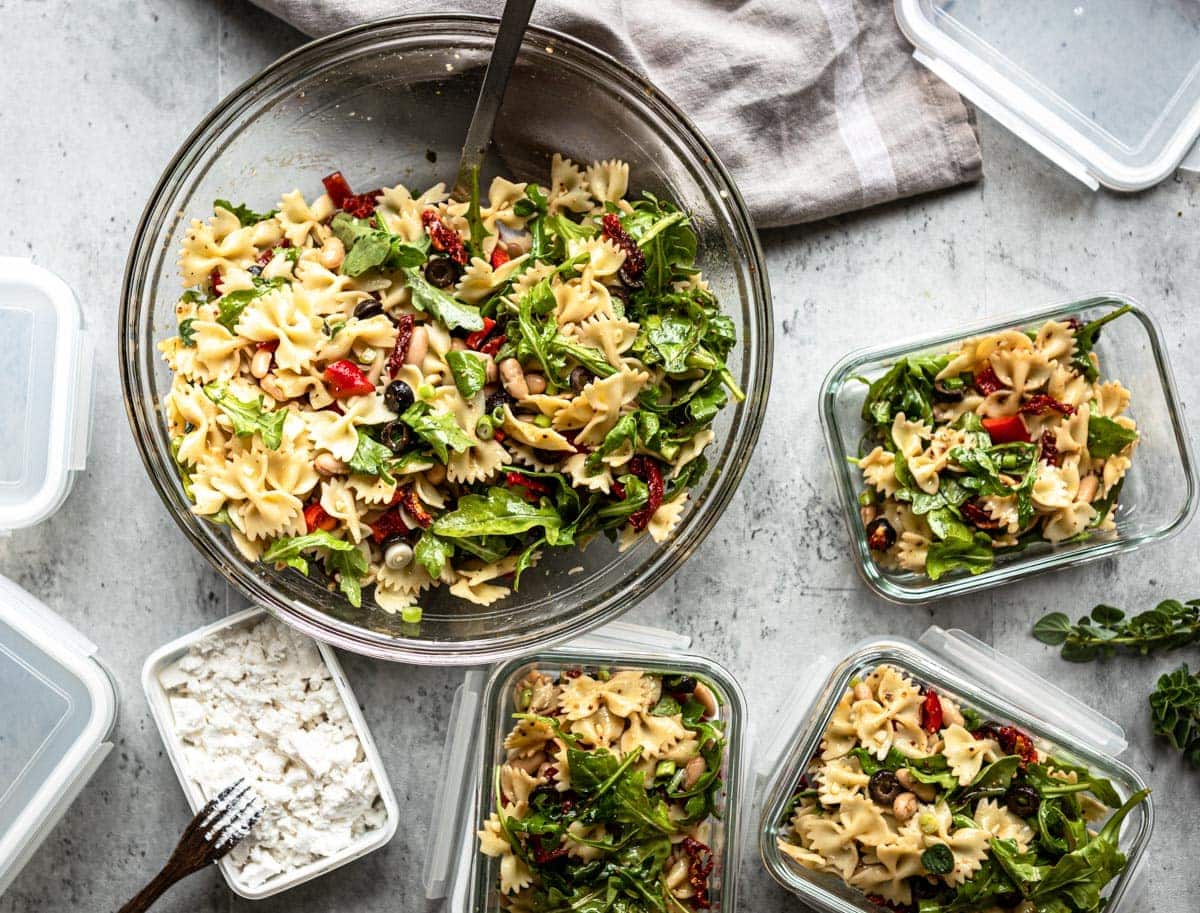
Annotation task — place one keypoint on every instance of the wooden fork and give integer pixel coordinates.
(217, 828)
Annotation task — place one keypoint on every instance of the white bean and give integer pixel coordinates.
(271, 388)
(329, 465)
(332, 253)
(260, 364)
(862, 692)
(706, 698)
(535, 383)
(513, 378)
(418, 346)
(693, 772)
(904, 807)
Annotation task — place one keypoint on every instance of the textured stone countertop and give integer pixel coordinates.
(95, 98)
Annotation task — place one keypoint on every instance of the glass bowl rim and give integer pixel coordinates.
(921, 662)
(666, 557)
(895, 592)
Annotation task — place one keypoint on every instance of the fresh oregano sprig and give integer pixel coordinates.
(1175, 704)
(1168, 625)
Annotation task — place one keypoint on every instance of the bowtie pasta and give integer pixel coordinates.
(916, 801)
(608, 791)
(1009, 440)
(413, 391)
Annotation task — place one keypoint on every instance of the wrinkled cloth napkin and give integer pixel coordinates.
(815, 106)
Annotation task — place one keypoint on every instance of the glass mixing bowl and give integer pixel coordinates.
(389, 102)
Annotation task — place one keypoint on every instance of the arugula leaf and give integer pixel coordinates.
(672, 338)
(1085, 341)
(1022, 868)
(1050, 787)
(288, 550)
(474, 220)
(231, 305)
(249, 417)
(906, 387)
(500, 512)
(373, 458)
(432, 552)
(438, 429)
(245, 215)
(441, 306)
(973, 555)
(370, 246)
(532, 207)
(1106, 437)
(187, 335)
(351, 567)
(469, 370)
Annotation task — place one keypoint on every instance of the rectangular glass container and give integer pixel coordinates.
(474, 746)
(958, 665)
(1159, 495)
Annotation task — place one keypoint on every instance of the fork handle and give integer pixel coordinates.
(158, 885)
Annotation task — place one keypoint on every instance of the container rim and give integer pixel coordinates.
(953, 585)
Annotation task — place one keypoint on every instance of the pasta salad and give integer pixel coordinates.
(1009, 440)
(411, 391)
(606, 798)
(922, 805)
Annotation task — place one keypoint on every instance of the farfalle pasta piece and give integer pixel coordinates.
(276, 317)
(1021, 370)
(1111, 398)
(533, 435)
(879, 471)
(298, 219)
(1069, 521)
(840, 779)
(598, 406)
(610, 335)
(1055, 341)
(655, 735)
(580, 299)
(220, 244)
(966, 754)
(568, 187)
(664, 520)
(840, 735)
(1055, 486)
(1003, 824)
(480, 279)
(608, 181)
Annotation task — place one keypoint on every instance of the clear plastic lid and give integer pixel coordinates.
(45, 393)
(1107, 89)
(56, 719)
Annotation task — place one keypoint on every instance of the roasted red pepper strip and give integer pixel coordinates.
(390, 524)
(931, 713)
(316, 518)
(647, 470)
(407, 498)
(533, 487)
(492, 346)
(1007, 430)
(986, 381)
(1041, 403)
(443, 238)
(474, 340)
(499, 256)
(404, 332)
(345, 378)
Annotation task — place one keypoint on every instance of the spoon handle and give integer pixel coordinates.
(491, 95)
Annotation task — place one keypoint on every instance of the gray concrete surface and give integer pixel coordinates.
(95, 97)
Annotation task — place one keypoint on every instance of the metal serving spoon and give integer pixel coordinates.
(504, 54)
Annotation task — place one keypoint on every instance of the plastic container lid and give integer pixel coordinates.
(56, 720)
(1108, 90)
(46, 387)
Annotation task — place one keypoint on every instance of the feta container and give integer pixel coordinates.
(455, 870)
(210, 720)
(974, 675)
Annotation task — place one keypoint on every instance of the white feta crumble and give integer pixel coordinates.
(259, 703)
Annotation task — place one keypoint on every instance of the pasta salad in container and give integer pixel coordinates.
(1012, 438)
(611, 793)
(402, 391)
(918, 801)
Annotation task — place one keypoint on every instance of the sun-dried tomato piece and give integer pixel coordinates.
(404, 332)
(647, 470)
(700, 866)
(499, 256)
(1049, 448)
(475, 340)
(337, 187)
(986, 381)
(388, 525)
(1041, 403)
(214, 279)
(931, 712)
(443, 238)
(635, 261)
(359, 205)
(1012, 741)
(407, 498)
(974, 514)
(543, 856)
(316, 518)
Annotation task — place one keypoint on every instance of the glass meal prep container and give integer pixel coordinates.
(480, 718)
(967, 670)
(1159, 494)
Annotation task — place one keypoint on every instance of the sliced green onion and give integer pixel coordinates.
(485, 429)
(426, 391)
(542, 421)
(411, 614)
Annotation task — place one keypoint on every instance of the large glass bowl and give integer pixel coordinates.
(389, 102)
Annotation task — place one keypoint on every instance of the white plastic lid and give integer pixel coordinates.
(45, 392)
(1107, 89)
(448, 853)
(56, 719)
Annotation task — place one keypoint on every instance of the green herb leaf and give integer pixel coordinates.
(432, 552)
(373, 458)
(289, 550)
(245, 215)
(478, 232)
(1107, 437)
(907, 387)
(1085, 341)
(973, 555)
(187, 335)
(1053, 629)
(500, 512)
(351, 567)
(469, 370)
(438, 429)
(249, 417)
(1175, 707)
(1169, 625)
(441, 306)
(231, 305)
(938, 859)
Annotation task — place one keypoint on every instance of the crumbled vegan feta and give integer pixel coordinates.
(258, 702)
